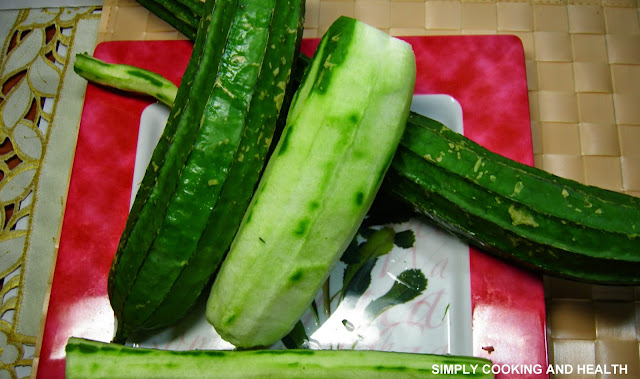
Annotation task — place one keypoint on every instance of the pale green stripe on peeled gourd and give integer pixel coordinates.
(343, 128)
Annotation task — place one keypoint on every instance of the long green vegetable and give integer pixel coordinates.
(161, 178)
(92, 360)
(126, 78)
(542, 221)
(204, 170)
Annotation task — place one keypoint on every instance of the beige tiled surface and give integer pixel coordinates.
(583, 68)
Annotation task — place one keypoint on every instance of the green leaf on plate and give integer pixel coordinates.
(358, 284)
(296, 337)
(407, 286)
(379, 243)
(405, 239)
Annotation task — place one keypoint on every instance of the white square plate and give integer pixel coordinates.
(437, 321)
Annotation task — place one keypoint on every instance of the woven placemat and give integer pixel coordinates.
(583, 68)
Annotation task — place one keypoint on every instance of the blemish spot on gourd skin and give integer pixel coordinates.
(328, 64)
(238, 59)
(302, 227)
(518, 188)
(296, 276)
(476, 167)
(230, 319)
(359, 198)
(279, 99)
(521, 217)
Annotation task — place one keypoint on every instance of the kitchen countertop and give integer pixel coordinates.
(583, 72)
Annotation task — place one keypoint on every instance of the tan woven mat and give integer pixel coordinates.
(583, 65)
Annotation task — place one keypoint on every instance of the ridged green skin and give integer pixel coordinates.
(183, 15)
(169, 154)
(343, 127)
(92, 360)
(196, 6)
(182, 221)
(249, 159)
(554, 225)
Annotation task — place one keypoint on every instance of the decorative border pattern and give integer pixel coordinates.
(583, 67)
(36, 54)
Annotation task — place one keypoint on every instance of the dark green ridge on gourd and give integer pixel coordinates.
(196, 6)
(338, 53)
(185, 20)
(331, 53)
(145, 76)
(177, 235)
(248, 160)
(89, 360)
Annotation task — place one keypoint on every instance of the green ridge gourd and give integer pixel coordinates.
(88, 359)
(541, 221)
(342, 130)
(206, 165)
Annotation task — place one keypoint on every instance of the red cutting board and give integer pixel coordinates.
(485, 74)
